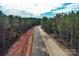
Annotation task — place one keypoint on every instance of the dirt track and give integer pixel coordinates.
(20, 48)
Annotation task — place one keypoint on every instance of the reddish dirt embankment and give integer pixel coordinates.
(23, 47)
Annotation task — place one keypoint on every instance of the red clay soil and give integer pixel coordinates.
(23, 47)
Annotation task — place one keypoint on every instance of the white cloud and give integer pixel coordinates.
(31, 7)
(36, 7)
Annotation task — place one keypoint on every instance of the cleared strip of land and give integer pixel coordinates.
(36, 42)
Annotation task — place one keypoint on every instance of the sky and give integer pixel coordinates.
(38, 8)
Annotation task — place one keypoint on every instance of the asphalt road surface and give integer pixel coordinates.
(39, 48)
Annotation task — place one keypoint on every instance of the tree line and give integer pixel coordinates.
(66, 28)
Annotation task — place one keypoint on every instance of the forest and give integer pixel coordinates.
(65, 27)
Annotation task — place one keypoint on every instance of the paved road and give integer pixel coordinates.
(39, 48)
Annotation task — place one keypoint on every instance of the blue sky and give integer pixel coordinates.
(37, 8)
